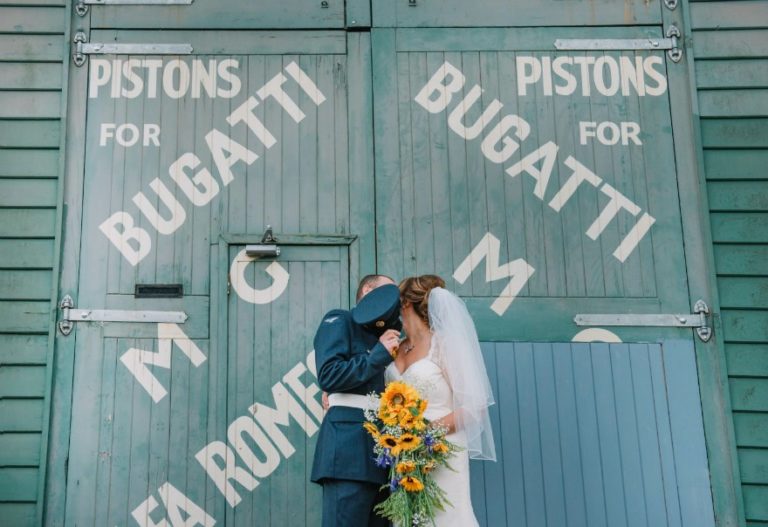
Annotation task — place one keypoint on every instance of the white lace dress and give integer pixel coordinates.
(426, 376)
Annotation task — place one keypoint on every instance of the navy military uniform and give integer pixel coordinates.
(351, 360)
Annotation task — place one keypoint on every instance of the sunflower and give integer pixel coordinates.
(408, 421)
(440, 448)
(405, 467)
(397, 396)
(412, 484)
(387, 417)
(429, 467)
(371, 429)
(390, 442)
(408, 442)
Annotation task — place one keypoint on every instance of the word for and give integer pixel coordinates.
(608, 75)
(609, 133)
(128, 134)
(518, 271)
(137, 360)
(501, 142)
(134, 242)
(257, 296)
(132, 77)
(235, 460)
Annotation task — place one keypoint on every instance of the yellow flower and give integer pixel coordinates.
(397, 396)
(411, 422)
(440, 448)
(371, 429)
(429, 467)
(387, 417)
(390, 442)
(408, 442)
(412, 484)
(405, 467)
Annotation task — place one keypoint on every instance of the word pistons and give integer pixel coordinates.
(134, 242)
(501, 142)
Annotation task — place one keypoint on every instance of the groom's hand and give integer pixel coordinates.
(391, 340)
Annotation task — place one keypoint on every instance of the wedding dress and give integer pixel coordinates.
(428, 377)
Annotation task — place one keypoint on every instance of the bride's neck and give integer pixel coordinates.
(420, 335)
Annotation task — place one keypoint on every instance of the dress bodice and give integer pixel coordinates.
(429, 379)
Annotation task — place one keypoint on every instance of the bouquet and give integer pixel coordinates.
(412, 449)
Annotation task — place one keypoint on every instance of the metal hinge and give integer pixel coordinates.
(670, 43)
(70, 315)
(82, 48)
(81, 6)
(698, 320)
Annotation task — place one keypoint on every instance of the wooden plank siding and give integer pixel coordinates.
(32, 51)
(730, 42)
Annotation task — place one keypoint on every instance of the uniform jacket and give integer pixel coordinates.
(349, 360)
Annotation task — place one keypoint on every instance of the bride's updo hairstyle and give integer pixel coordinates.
(416, 291)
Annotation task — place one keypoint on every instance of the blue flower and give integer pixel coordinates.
(429, 440)
(384, 460)
(394, 484)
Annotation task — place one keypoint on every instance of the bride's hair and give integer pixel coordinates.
(415, 290)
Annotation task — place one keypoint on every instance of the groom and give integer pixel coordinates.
(351, 358)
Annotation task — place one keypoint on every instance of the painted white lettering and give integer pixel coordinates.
(181, 511)
(201, 189)
(528, 73)
(457, 115)
(117, 68)
(129, 236)
(245, 113)
(153, 68)
(137, 360)
(436, 95)
(268, 295)
(633, 237)
(285, 406)
(219, 143)
(632, 74)
(218, 461)
(274, 89)
(177, 213)
(236, 433)
(617, 202)
(100, 73)
(547, 152)
(610, 86)
(518, 271)
(656, 75)
(306, 83)
(306, 394)
(498, 133)
(203, 77)
(580, 174)
(558, 65)
(225, 68)
(137, 84)
(176, 90)
(151, 134)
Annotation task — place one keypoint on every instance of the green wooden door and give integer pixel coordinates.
(542, 184)
(186, 160)
(270, 379)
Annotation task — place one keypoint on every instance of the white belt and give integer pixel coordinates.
(351, 400)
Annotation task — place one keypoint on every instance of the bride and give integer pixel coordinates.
(441, 358)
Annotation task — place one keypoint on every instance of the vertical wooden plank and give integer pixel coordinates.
(549, 428)
(105, 455)
(690, 453)
(388, 190)
(360, 194)
(509, 444)
(81, 482)
(568, 424)
(626, 420)
(536, 507)
(648, 439)
(615, 494)
(494, 484)
(666, 453)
